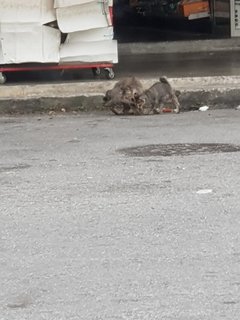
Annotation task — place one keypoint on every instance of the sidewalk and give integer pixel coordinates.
(211, 78)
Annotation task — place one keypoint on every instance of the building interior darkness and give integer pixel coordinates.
(159, 20)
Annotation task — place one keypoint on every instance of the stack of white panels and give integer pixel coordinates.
(90, 33)
(91, 51)
(85, 16)
(27, 11)
(23, 36)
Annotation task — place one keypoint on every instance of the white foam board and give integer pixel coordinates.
(27, 11)
(99, 34)
(1, 55)
(69, 3)
(29, 43)
(89, 52)
(83, 17)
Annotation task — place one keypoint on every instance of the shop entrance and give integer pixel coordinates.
(171, 20)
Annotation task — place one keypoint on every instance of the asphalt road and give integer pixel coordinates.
(91, 232)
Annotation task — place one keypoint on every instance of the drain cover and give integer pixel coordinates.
(185, 149)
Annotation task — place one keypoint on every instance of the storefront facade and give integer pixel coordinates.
(166, 20)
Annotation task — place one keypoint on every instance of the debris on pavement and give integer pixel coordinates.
(19, 302)
(203, 108)
(204, 191)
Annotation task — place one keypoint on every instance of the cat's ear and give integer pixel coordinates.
(136, 96)
(107, 96)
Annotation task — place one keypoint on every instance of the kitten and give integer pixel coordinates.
(154, 99)
(121, 99)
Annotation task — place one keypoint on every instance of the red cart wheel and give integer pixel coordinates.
(3, 78)
(109, 73)
(96, 71)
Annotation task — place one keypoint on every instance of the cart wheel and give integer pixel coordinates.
(109, 73)
(96, 71)
(62, 72)
(3, 78)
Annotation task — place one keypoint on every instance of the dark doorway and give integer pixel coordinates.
(166, 20)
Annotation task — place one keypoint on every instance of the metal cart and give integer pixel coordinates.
(95, 67)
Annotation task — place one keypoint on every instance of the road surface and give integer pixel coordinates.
(93, 230)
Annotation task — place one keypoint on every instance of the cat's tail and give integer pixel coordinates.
(164, 80)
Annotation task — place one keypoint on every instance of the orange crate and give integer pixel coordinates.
(133, 3)
(187, 8)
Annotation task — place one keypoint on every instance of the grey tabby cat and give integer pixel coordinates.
(153, 100)
(122, 98)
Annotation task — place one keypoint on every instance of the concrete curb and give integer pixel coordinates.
(193, 46)
(216, 92)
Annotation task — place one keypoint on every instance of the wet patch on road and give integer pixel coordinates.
(74, 141)
(180, 149)
(7, 121)
(230, 302)
(14, 167)
(133, 187)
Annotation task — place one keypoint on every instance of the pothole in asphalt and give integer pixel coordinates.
(179, 149)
